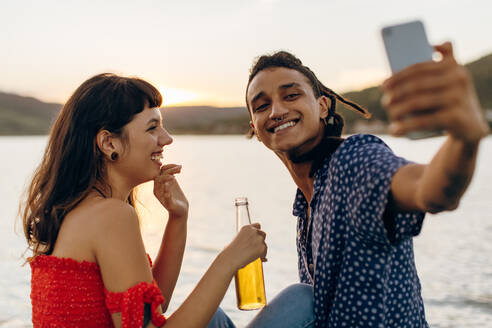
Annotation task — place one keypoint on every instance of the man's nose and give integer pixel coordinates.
(277, 111)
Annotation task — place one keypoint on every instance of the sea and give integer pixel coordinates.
(453, 252)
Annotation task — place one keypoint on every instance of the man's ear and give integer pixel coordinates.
(324, 106)
(254, 129)
(106, 143)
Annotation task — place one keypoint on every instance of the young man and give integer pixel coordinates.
(358, 205)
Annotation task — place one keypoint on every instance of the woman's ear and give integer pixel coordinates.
(107, 143)
(324, 106)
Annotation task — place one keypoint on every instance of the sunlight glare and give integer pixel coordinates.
(172, 96)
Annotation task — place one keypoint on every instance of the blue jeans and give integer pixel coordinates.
(292, 308)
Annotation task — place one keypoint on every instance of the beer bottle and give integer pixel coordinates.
(250, 288)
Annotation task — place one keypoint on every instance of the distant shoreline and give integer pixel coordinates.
(29, 116)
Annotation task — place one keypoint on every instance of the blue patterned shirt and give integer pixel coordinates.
(361, 267)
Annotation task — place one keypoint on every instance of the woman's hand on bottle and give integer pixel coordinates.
(248, 245)
(169, 193)
(435, 96)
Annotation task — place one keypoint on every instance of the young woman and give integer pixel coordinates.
(89, 265)
(358, 205)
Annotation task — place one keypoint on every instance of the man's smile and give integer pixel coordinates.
(282, 126)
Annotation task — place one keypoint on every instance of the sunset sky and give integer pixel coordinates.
(199, 52)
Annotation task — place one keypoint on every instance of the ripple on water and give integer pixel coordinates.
(483, 302)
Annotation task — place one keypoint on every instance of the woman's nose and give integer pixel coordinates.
(165, 138)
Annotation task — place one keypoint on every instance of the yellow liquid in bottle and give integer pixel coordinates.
(250, 289)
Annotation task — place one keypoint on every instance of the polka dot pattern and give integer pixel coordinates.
(363, 271)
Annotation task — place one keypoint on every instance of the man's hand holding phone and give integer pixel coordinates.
(432, 96)
(424, 98)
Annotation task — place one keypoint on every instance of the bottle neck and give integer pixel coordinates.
(242, 216)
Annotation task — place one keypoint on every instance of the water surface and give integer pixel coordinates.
(453, 252)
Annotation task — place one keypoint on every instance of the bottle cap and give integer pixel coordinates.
(241, 201)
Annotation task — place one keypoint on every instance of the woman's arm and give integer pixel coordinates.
(167, 264)
(197, 310)
(435, 96)
(119, 250)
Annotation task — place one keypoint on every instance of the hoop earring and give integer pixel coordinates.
(114, 156)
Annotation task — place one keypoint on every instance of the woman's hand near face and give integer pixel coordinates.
(169, 193)
(435, 96)
(248, 245)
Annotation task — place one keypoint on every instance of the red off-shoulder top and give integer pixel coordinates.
(69, 293)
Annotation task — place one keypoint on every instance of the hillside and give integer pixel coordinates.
(28, 116)
(205, 120)
(25, 115)
(481, 72)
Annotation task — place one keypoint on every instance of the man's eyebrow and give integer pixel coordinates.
(258, 96)
(289, 85)
(283, 86)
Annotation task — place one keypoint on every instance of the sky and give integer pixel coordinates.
(200, 52)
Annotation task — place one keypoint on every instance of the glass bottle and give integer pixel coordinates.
(250, 287)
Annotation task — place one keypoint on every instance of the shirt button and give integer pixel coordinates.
(311, 267)
(299, 234)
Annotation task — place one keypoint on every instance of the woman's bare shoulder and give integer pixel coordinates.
(92, 225)
(112, 221)
(106, 211)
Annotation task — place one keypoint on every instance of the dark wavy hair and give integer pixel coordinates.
(288, 60)
(72, 164)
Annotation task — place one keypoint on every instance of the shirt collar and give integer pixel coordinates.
(300, 202)
(321, 159)
(300, 205)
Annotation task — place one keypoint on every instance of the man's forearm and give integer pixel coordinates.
(447, 176)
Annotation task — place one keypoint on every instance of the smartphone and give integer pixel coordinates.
(406, 44)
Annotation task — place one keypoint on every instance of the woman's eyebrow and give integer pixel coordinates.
(153, 120)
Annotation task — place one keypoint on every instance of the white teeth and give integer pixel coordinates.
(156, 157)
(283, 126)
